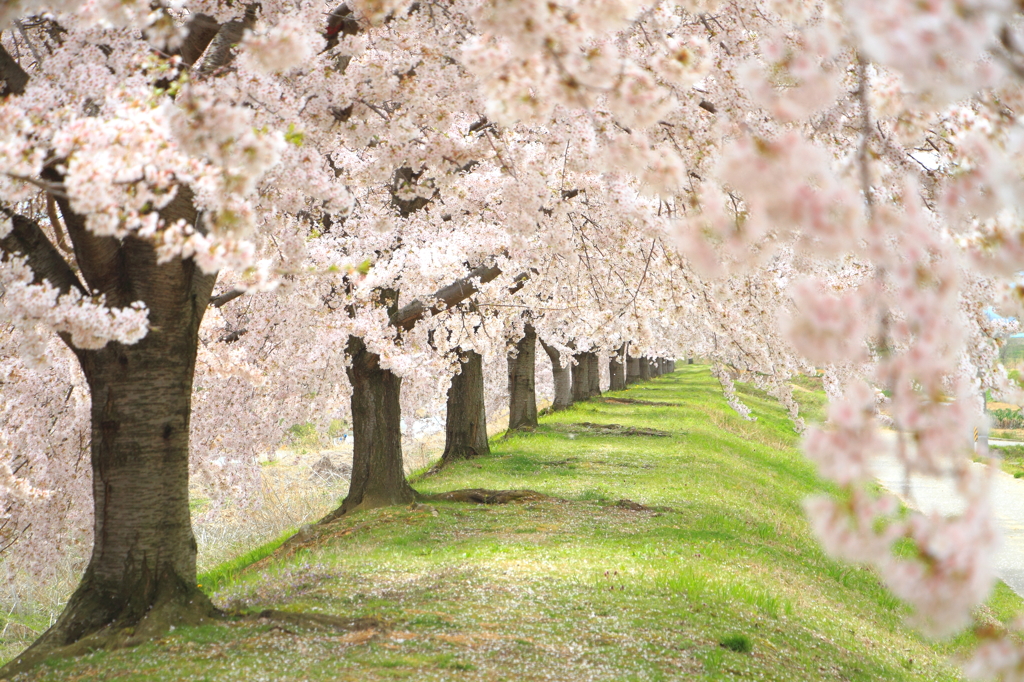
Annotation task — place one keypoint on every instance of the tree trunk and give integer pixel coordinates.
(466, 424)
(580, 378)
(645, 368)
(617, 370)
(522, 393)
(562, 377)
(594, 373)
(655, 368)
(141, 577)
(632, 369)
(378, 475)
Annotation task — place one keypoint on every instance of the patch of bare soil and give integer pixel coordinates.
(589, 428)
(484, 496)
(634, 401)
(636, 506)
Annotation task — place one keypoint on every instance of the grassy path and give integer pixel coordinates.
(677, 550)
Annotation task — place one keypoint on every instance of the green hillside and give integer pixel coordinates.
(672, 547)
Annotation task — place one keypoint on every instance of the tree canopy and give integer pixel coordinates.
(209, 211)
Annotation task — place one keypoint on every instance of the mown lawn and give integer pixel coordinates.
(674, 548)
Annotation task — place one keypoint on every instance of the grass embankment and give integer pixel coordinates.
(715, 576)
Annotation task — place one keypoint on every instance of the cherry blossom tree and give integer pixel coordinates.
(775, 185)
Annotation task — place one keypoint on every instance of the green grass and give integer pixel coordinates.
(1011, 458)
(217, 577)
(718, 578)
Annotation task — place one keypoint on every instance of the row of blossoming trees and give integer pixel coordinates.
(255, 200)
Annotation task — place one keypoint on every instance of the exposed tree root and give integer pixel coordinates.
(636, 506)
(463, 454)
(159, 621)
(84, 627)
(484, 496)
(318, 621)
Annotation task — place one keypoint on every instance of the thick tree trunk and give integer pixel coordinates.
(141, 577)
(522, 392)
(378, 476)
(562, 377)
(671, 365)
(655, 368)
(632, 369)
(617, 370)
(580, 378)
(594, 374)
(465, 433)
(645, 368)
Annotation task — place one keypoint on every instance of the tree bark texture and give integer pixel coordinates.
(465, 433)
(632, 369)
(141, 576)
(580, 378)
(645, 368)
(378, 475)
(594, 374)
(617, 370)
(522, 391)
(562, 377)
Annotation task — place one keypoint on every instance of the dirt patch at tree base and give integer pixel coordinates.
(484, 496)
(635, 401)
(317, 621)
(636, 506)
(589, 428)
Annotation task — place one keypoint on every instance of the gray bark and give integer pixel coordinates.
(141, 576)
(378, 474)
(466, 423)
(580, 378)
(594, 374)
(632, 369)
(522, 392)
(562, 378)
(617, 370)
(645, 368)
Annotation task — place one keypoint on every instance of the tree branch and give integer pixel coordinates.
(226, 297)
(446, 297)
(28, 239)
(221, 50)
(15, 78)
(202, 28)
(98, 257)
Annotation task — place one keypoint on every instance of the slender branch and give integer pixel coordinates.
(864, 149)
(643, 279)
(54, 188)
(31, 46)
(226, 297)
(51, 213)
